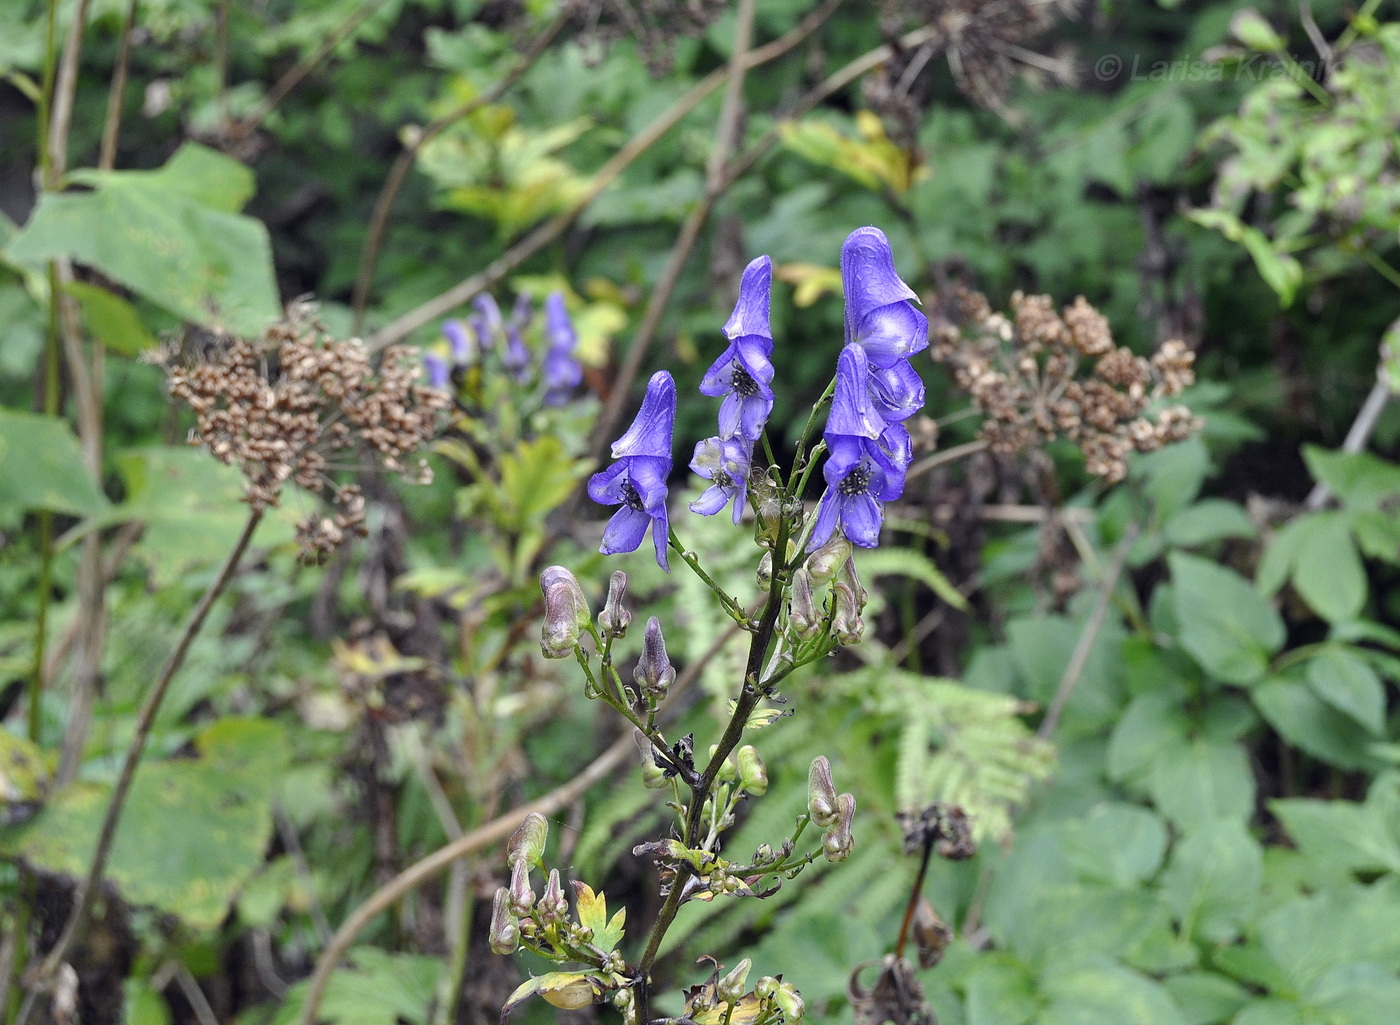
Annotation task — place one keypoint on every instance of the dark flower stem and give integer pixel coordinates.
(87, 890)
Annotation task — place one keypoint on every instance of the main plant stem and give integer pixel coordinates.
(87, 890)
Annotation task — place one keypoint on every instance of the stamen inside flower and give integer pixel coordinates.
(722, 479)
(856, 482)
(743, 383)
(630, 498)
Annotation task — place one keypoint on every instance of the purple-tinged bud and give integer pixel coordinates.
(526, 844)
(731, 987)
(654, 673)
(848, 576)
(566, 612)
(846, 624)
(516, 358)
(439, 377)
(839, 840)
(523, 312)
(789, 1001)
(826, 561)
(653, 776)
(821, 793)
(803, 617)
(615, 618)
(553, 906)
(463, 344)
(490, 326)
(522, 898)
(753, 774)
(505, 930)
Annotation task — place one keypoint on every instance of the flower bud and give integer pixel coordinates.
(789, 1001)
(654, 673)
(766, 987)
(848, 576)
(821, 793)
(566, 612)
(526, 844)
(522, 898)
(505, 931)
(802, 611)
(839, 840)
(731, 987)
(653, 776)
(753, 774)
(554, 906)
(765, 571)
(846, 624)
(826, 561)
(614, 619)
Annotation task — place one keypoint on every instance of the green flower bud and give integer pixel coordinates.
(566, 612)
(526, 844)
(839, 840)
(653, 775)
(789, 1001)
(614, 619)
(803, 617)
(731, 987)
(753, 774)
(821, 793)
(766, 987)
(654, 673)
(505, 931)
(765, 571)
(826, 561)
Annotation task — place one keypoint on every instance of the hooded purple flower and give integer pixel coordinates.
(524, 311)
(463, 345)
(438, 375)
(561, 371)
(743, 373)
(637, 481)
(853, 413)
(516, 359)
(861, 475)
(880, 313)
(724, 462)
(488, 323)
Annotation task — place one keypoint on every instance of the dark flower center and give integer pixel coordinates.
(855, 482)
(722, 480)
(630, 498)
(742, 382)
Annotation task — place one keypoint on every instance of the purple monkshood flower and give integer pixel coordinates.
(516, 359)
(439, 376)
(637, 481)
(490, 327)
(880, 313)
(744, 371)
(463, 344)
(724, 462)
(861, 475)
(562, 372)
(853, 413)
(524, 311)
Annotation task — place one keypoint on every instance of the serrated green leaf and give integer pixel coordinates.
(1306, 721)
(593, 914)
(1226, 625)
(1327, 569)
(378, 989)
(1212, 882)
(1209, 520)
(1345, 681)
(1001, 991)
(1103, 993)
(1359, 479)
(1341, 834)
(41, 467)
(1200, 780)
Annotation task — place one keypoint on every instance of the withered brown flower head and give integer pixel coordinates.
(1023, 373)
(299, 405)
(654, 25)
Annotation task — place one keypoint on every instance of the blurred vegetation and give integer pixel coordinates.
(1169, 704)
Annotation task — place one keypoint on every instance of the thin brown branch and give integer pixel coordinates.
(951, 455)
(482, 837)
(87, 889)
(398, 173)
(1361, 428)
(61, 114)
(1074, 669)
(299, 72)
(111, 128)
(550, 230)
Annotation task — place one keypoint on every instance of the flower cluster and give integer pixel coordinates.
(1022, 372)
(294, 404)
(876, 391)
(488, 333)
(637, 481)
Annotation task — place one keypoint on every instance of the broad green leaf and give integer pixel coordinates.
(1346, 682)
(1120, 844)
(1202, 780)
(1309, 936)
(224, 822)
(1355, 994)
(1212, 882)
(1205, 996)
(157, 234)
(1359, 479)
(1306, 721)
(1209, 520)
(1280, 556)
(112, 320)
(194, 172)
(1173, 474)
(1327, 571)
(1280, 271)
(1042, 647)
(536, 477)
(1341, 834)
(41, 467)
(1226, 625)
(1270, 1012)
(378, 989)
(1001, 991)
(143, 1005)
(1150, 728)
(1103, 993)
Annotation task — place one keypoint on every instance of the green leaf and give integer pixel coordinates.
(565, 990)
(1359, 479)
(1306, 721)
(1205, 996)
(156, 234)
(1340, 834)
(593, 914)
(111, 319)
(905, 562)
(1280, 271)
(1280, 557)
(1328, 571)
(193, 172)
(1101, 992)
(1149, 729)
(1212, 883)
(1209, 520)
(41, 467)
(1346, 682)
(1203, 780)
(224, 823)
(1309, 936)
(537, 477)
(1226, 625)
(1000, 991)
(379, 989)
(1120, 844)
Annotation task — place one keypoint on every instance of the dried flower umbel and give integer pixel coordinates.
(1023, 373)
(297, 405)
